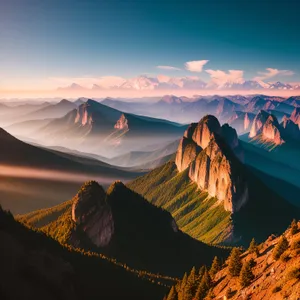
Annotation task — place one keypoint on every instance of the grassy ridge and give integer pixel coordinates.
(195, 212)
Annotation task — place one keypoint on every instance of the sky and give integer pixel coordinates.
(46, 44)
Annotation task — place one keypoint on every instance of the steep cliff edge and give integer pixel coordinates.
(212, 153)
(267, 130)
(295, 116)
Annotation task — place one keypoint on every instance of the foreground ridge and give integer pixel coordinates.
(270, 270)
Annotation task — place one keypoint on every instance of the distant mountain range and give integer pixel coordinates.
(226, 108)
(146, 83)
(94, 127)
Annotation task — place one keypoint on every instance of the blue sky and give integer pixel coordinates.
(46, 39)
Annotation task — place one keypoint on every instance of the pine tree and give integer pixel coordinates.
(252, 262)
(234, 263)
(215, 267)
(204, 286)
(253, 248)
(182, 287)
(246, 275)
(280, 248)
(172, 294)
(191, 285)
(201, 271)
(294, 227)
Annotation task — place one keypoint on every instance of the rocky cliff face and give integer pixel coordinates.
(295, 116)
(82, 115)
(266, 128)
(102, 217)
(272, 131)
(91, 212)
(258, 123)
(122, 123)
(212, 153)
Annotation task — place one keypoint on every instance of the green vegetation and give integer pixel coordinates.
(234, 262)
(246, 275)
(44, 268)
(294, 227)
(43, 217)
(281, 247)
(253, 247)
(193, 286)
(141, 243)
(204, 286)
(194, 211)
(215, 267)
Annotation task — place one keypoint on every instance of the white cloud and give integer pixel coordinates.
(196, 65)
(104, 81)
(169, 68)
(270, 72)
(219, 77)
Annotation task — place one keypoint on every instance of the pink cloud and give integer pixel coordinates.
(196, 65)
(219, 77)
(270, 72)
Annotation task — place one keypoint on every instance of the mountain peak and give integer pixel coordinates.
(204, 130)
(210, 153)
(115, 187)
(5, 136)
(90, 196)
(170, 99)
(64, 101)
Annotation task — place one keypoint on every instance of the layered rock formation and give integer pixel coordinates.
(212, 153)
(271, 131)
(266, 128)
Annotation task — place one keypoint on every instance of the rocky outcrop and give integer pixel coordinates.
(271, 131)
(295, 116)
(213, 153)
(205, 129)
(122, 123)
(82, 116)
(92, 214)
(101, 218)
(258, 123)
(266, 128)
